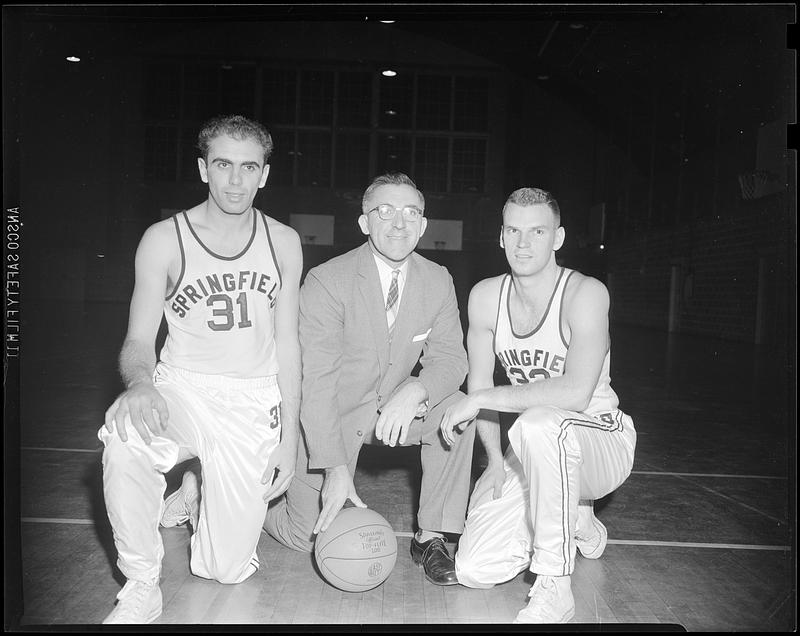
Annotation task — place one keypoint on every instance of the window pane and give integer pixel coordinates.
(395, 101)
(394, 154)
(433, 102)
(162, 84)
(316, 98)
(469, 165)
(352, 161)
(355, 99)
(160, 152)
(314, 159)
(281, 161)
(201, 92)
(238, 91)
(431, 164)
(278, 96)
(471, 103)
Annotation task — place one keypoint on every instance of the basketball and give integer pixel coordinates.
(357, 552)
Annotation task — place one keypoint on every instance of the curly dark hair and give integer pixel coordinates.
(235, 126)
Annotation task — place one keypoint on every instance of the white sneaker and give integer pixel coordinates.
(549, 604)
(183, 505)
(592, 543)
(139, 602)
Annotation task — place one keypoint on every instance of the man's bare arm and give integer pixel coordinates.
(587, 319)
(282, 461)
(140, 405)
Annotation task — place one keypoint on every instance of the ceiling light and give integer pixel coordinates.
(391, 112)
(72, 58)
(388, 73)
(387, 21)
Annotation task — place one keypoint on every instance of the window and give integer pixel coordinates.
(237, 89)
(355, 99)
(278, 96)
(469, 165)
(313, 155)
(430, 163)
(316, 98)
(433, 102)
(352, 160)
(471, 104)
(396, 100)
(394, 154)
(331, 127)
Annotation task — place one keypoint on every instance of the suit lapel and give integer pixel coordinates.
(372, 295)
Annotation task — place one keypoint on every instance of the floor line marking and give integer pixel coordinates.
(633, 472)
(734, 500)
(689, 544)
(723, 496)
(62, 450)
(658, 472)
(82, 522)
(671, 544)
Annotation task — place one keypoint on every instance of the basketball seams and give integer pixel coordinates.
(347, 531)
(361, 558)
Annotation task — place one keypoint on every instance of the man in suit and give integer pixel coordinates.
(366, 318)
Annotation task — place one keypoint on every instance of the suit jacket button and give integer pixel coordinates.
(359, 433)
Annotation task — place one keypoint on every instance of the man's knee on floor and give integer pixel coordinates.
(230, 574)
(471, 570)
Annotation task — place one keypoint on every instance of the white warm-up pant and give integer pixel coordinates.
(232, 425)
(555, 457)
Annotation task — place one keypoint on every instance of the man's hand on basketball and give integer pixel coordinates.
(336, 489)
(398, 413)
(280, 469)
(140, 406)
(456, 418)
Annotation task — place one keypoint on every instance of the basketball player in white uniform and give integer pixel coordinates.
(570, 444)
(226, 389)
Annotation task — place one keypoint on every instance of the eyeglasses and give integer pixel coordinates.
(387, 212)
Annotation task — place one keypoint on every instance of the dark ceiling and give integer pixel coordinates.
(687, 77)
(701, 72)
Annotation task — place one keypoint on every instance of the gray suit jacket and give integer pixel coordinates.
(349, 368)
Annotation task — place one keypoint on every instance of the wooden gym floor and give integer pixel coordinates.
(700, 536)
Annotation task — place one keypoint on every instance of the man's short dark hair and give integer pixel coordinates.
(533, 196)
(390, 178)
(235, 126)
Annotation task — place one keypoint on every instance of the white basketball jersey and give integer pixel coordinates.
(542, 353)
(221, 311)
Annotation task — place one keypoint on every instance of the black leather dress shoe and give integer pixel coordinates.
(440, 567)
